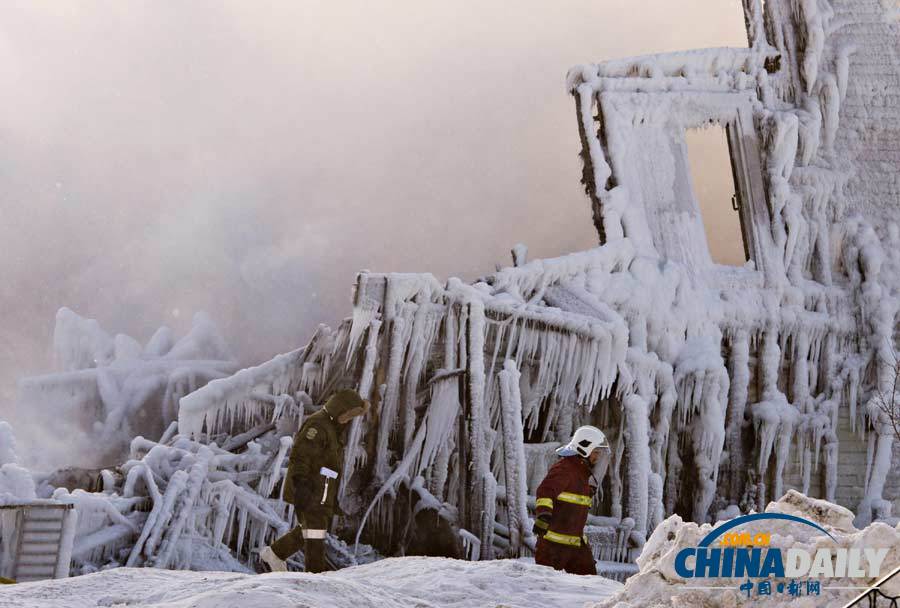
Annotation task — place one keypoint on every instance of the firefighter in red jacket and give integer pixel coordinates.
(563, 501)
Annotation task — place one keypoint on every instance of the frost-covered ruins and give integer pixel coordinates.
(720, 387)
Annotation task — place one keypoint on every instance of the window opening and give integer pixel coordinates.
(713, 181)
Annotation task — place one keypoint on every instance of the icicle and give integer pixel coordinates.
(399, 338)
(273, 476)
(158, 519)
(831, 469)
(831, 109)
(364, 312)
(665, 405)
(739, 368)
(421, 336)
(471, 544)
(210, 404)
(476, 415)
(877, 469)
(399, 474)
(441, 469)
(812, 32)
(615, 472)
(514, 457)
(356, 453)
(440, 419)
(853, 394)
(195, 480)
(637, 456)
(488, 515)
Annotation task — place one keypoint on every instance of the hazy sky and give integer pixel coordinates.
(247, 158)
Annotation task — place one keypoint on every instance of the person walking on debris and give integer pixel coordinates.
(312, 481)
(563, 501)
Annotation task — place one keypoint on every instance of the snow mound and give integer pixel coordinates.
(398, 582)
(658, 585)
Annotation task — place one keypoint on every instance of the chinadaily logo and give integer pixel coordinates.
(738, 550)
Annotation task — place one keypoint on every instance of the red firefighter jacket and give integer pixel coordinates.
(566, 494)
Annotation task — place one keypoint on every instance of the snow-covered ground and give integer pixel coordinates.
(397, 582)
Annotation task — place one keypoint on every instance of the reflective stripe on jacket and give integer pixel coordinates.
(566, 495)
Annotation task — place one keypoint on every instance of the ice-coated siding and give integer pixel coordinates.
(869, 132)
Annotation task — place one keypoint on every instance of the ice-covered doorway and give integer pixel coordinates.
(712, 180)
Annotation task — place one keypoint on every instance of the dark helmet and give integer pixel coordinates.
(343, 401)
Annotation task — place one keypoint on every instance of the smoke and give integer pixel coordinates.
(247, 159)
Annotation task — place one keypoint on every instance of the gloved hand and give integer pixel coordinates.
(541, 525)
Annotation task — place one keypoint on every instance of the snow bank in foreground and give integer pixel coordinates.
(658, 585)
(396, 582)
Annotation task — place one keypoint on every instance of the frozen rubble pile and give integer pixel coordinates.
(450, 457)
(180, 504)
(172, 502)
(658, 585)
(108, 389)
(390, 583)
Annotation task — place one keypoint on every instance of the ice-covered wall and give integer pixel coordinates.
(461, 377)
(812, 110)
(862, 54)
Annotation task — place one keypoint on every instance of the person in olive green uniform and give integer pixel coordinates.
(312, 481)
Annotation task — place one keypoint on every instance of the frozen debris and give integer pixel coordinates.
(212, 408)
(657, 584)
(231, 403)
(107, 389)
(80, 343)
(186, 505)
(519, 254)
(16, 483)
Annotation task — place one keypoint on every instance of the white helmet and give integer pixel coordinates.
(584, 441)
